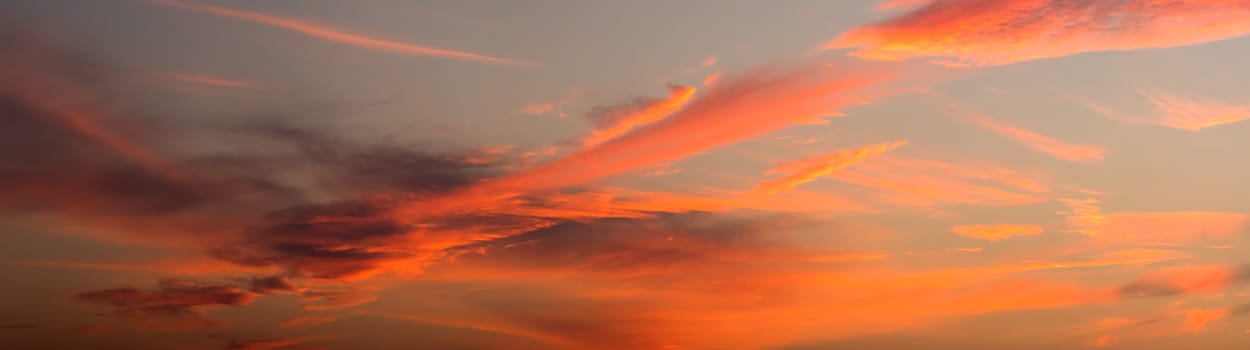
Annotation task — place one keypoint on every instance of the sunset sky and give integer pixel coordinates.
(642, 174)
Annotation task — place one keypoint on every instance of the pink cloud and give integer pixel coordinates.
(992, 32)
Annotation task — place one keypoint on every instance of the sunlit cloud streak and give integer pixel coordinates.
(809, 169)
(48, 86)
(335, 35)
(613, 121)
(997, 232)
(208, 80)
(908, 181)
(1187, 279)
(763, 100)
(1152, 228)
(993, 32)
(1179, 112)
(1041, 143)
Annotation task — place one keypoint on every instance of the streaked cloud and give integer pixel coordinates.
(207, 80)
(997, 232)
(537, 108)
(909, 181)
(711, 79)
(613, 121)
(709, 61)
(1179, 112)
(48, 86)
(1187, 279)
(335, 35)
(1196, 320)
(809, 169)
(175, 304)
(1042, 143)
(992, 32)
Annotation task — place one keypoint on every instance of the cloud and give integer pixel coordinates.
(1158, 228)
(43, 85)
(673, 280)
(266, 344)
(615, 120)
(711, 79)
(175, 303)
(709, 61)
(208, 80)
(1084, 215)
(993, 32)
(1179, 112)
(758, 102)
(537, 108)
(335, 35)
(809, 169)
(891, 5)
(1186, 280)
(1196, 320)
(1044, 144)
(908, 181)
(997, 232)
(308, 321)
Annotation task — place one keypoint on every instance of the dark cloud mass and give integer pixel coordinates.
(174, 303)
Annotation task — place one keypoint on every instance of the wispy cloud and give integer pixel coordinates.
(758, 102)
(335, 35)
(1179, 112)
(48, 86)
(997, 232)
(208, 80)
(809, 169)
(909, 181)
(613, 121)
(1042, 143)
(991, 32)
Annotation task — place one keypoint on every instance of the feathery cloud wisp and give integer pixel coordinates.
(1042, 143)
(335, 35)
(992, 32)
(809, 169)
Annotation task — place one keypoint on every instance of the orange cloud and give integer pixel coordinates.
(207, 80)
(1172, 228)
(910, 181)
(307, 321)
(1180, 112)
(711, 79)
(1186, 280)
(662, 276)
(809, 169)
(890, 5)
(761, 101)
(1084, 215)
(1042, 143)
(1196, 320)
(964, 250)
(997, 232)
(335, 35)
(992, 32)
(621, 122)
(1159, 228)
(709, 61)
(538, 108)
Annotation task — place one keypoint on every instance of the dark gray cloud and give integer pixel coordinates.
(1155, 287)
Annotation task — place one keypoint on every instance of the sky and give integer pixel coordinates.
(557, 174)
